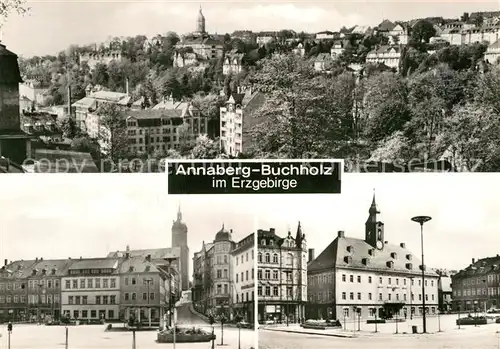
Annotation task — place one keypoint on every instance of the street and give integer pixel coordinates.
(468, 337)
(94, 336)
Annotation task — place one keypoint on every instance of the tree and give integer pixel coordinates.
(69, 128)
(85, 144)
(8, 7)
(304, 114)
(422, 31)
(112, 131)
(206, 148)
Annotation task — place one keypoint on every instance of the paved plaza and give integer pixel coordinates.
(467, 337)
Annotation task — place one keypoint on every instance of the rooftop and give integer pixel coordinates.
(95, 263)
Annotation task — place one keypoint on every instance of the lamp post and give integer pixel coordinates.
(421, 220)
(148, 282)
(39, 302)
(458, 316)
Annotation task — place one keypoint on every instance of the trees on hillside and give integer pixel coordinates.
(112, 135)
(9, 7)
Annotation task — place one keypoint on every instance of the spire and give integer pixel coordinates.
(299, 236)
(179, 213)
(373, 208)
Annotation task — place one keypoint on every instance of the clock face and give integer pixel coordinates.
(380, 245)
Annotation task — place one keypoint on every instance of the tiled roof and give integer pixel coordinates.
(171, 104)
(156, 253)
(60, 266)
(137, 264)
(86, 102)
(352, 252)
(385, 49)
(18, 269)
(481, 267)
(153, 114)
(109, 96)
(62, 161)
(95, 263)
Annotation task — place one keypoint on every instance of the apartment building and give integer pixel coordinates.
(281, 276)
(243, 276)
(91, 289)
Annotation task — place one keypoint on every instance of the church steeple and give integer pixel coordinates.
(179, 214)
(299, 236)
(200, 23)
(374, 229)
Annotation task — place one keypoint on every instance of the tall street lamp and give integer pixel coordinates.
(421, 220)
(148, 282)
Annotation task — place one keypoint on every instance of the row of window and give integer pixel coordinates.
(97, 300)
(168, 122)
(403, 312)
(133, 296)
(90, 283)
(286, 243)
(325, 297)
(222, 259)
(84, 314)
(218, 288)
(245, 297)
(137, 281)
(490, 291)
(328, 279)
(32, 284)
(274, 291)
(268, 274)
(274, 259)
(239, 277)
(246, 258)
(32, 299)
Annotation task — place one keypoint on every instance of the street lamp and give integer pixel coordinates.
(148, 282)
(39, 302)
(421, 220)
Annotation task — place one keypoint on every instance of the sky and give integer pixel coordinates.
(52, 26)
(61, 216)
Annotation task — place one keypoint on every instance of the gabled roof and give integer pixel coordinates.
(386, 25)
(156, 253)
(137, 264)
(17, 269)
(59, 266)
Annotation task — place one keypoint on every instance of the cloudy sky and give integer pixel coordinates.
(53, 25)
(463, 207)
(60, 216)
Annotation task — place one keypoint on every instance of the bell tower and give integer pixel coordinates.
(374, 229)
(200, 23)
(179, 239)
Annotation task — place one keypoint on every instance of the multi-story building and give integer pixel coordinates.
(445, 291)
(243, 278)
(492, 54)
(368, 274)
(263, 38)
(14, 290)
(100, 57)
(164, 128)
(14, 143)
(282, 276)
(337, 49)
(233, 63)
(147, 289)
(200, 44)
(202, 278)
(326, 35)
(44, 287)
(388, 55)
(91, 289)
(237, 120)
(477, 287)
(34, 91)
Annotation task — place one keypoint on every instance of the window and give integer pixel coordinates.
(380, 296)
(351, 295)
(75, 283)
(389, 281)
(126, 296)
(219, 273)
(97, 283)
(369, 279)
(134, 281)
(259, 257)
(389, 296)
(144, 296)
(97, 299)
(343, 295)
(359, 296)
(275, 258)
(70, 300)
(275, 274)
(82, 283)
(90, 283)
(268, 274)
(351, 278)
(134, 296)
(68, 284)
(126, 281)
(268, 258)
(151, 296)
(275, 291)
(105, 283)
(259, 274)
(380, 280)
(93, 313)
(112, 299)
(85, 314)
(343, 277)
(359, 278)
(369, 296)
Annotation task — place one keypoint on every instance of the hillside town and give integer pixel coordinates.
(392, 94)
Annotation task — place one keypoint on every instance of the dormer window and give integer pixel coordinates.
(263, 242)
(350, 249)
(53, 272)
(365, 261)
(371, 252)
(408, 257)
(394, 255)
(131, 269)
(33, 272)
(409, 266)
(347, 259)
(421, 267)
(148, 267)
(390, 264)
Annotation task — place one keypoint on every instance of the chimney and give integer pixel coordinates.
(5, 262)
(311, 255)
(271, 230)
(148, 258)
(36, 259)
(126, 87)
(69, 100)
(473, 260)
(341, 234)
(403, 245)
(231, 231)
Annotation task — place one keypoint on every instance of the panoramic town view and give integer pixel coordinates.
(322, 286)
(402, 90)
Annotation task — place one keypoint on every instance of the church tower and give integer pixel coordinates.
(179, 239)
(200, 23)
(374, 230)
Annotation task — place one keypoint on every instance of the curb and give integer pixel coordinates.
(312, 333)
